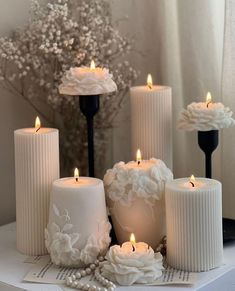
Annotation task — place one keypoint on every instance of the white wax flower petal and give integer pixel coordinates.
(199, 117)
(125, 182)
(84, 81)
(127, 267)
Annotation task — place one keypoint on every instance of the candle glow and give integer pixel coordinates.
(192, 180)
(92, 66)
(138, 156)
(76, 174)
(37, 124)
(150, 81)
(132, 241)
(208, 99)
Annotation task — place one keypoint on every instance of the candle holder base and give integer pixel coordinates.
(89, 106)
(208, 142)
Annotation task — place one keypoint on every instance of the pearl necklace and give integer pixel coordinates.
(73, 280)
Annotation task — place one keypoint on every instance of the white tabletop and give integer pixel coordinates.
(13, 269)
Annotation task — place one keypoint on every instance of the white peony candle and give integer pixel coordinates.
(194, 224)
(135, 196)
(132, 263)
(151, 121)
(36, 167)
(88, 81)
(205, 116)
(78, 228)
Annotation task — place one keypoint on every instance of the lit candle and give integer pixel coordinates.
(36, 167)
(88, 81)
(194, 224)
(151, 121)
(78, 228)
(132, 262)
(205, 116)
(135, 196)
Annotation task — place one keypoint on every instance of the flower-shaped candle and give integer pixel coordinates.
(132, 263)
(135, 196)
(87, 81)
(207, 118)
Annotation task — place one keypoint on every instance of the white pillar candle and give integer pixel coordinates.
(78, 228)
(36, 167)
(151, 122)
(194, 224)
(135, 196)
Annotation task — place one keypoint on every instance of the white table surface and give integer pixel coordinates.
(13, 269)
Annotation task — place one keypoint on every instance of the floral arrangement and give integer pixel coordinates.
(60, 35)
(199, 116)
(124, 183)
(64, 245)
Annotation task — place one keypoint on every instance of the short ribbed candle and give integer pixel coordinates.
(194, 224)
(36, 167)
(151, 122)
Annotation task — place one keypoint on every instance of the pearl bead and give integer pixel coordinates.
(86, 287)
(97, 262)
(88, 271)
(101, 259)
(93, 288)
(68, 281)
(99, 289)
(83, 273)
(78, 275)
(79, 285)
(92, 266)
(106, 282)
(74, 284)
(73, 277)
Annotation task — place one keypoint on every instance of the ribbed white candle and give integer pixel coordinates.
(194, 224)
(151, 122)
(36, 167)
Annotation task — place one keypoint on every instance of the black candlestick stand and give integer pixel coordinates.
(208, 142)
(89, 106)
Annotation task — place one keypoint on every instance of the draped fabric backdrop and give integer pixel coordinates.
(181, 43)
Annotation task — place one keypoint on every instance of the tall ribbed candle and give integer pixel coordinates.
(194, 224)
(151, 122)
(36, 167)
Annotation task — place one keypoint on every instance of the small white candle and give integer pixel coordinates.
(87, 81)
(78, 228)
(194, 224)
(151, 121)
(205, 116)
(132, 262)
(135, 196)
(36, 167)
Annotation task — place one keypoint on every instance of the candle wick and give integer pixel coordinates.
(207, 105)
(193, 185)
(38, 128)
(138, 162)
(150, 86)
(76, 179)
(133, 248)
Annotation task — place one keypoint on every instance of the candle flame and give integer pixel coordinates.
(208, 99)
(132, 238)
(138, 156)
(92, 66)
(150, 81)
(76, 174)
(37, 124)
(192, 181)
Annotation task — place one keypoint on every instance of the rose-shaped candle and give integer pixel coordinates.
(207, 118)
(132, 263)
(88, 83)
(135, 196)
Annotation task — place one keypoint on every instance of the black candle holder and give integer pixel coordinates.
(208, 142)
(90, 105)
